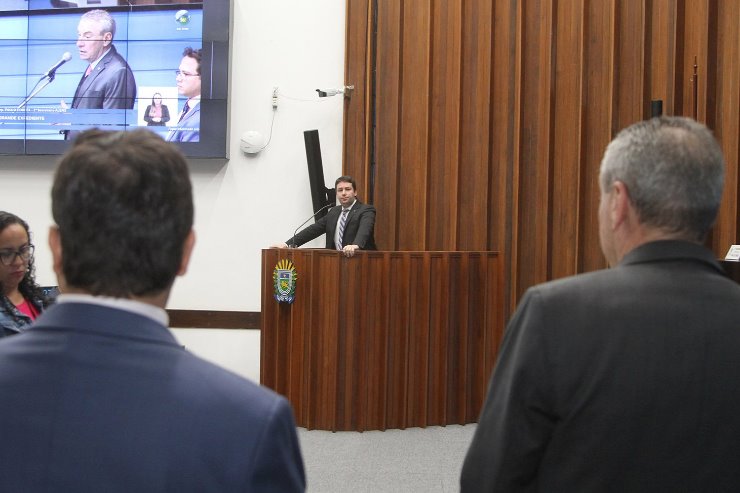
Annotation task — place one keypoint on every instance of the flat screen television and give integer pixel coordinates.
(36, 113)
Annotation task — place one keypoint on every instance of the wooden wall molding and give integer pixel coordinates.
(213, 319)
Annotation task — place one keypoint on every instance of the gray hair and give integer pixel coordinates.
(106, 22)
(674, 172)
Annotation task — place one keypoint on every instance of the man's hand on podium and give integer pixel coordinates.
(349, 250)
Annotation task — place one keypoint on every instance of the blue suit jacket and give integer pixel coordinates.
(100, 399)
(188, 129)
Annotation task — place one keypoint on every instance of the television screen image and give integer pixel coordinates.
(114, 67)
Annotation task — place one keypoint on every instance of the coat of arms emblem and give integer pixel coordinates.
(284, 280)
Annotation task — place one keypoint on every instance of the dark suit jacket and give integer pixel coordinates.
(110, 85)
(625, 379)
(357, 231)
(161, 123)
(100, 399)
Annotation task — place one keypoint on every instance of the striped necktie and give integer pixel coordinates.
(185, 110)
(342, 223)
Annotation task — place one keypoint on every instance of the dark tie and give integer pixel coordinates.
(342, 223)
(185, 110)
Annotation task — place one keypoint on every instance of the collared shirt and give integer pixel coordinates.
(144, 309)
(192, 103)
(95, 63)
(336, 230)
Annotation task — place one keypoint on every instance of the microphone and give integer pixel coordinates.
(65, 58)
(292, 240)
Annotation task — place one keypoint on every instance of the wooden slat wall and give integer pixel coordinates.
(384, 339)
(491, 118)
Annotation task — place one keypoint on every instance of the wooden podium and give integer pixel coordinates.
(384, 339)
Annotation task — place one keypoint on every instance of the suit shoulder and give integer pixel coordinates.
(226, 388)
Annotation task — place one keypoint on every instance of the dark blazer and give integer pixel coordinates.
(357, 231)
(161, 123)
(100, 399)
(110, 85)
(625, 379)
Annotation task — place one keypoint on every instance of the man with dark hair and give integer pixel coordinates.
(626, 379)
(348, 227)
(188, 85)
(103, 397)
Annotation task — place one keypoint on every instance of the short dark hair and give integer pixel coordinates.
(346, 179)
(124, 207)
(193, 53)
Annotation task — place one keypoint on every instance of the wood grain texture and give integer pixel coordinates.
(385, 339)
(492, 118)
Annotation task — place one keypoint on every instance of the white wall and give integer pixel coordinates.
(249, 202)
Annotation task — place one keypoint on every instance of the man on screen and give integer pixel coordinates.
(108, 81)
(188, 85)
(102, 395)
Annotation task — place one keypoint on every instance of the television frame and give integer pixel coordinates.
(216, 26)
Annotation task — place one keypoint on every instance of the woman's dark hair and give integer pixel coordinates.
(154, 96)
(31, 291)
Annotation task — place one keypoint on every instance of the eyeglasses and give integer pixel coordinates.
(179, 73)
(8, 256)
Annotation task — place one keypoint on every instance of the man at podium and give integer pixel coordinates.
(348, 226)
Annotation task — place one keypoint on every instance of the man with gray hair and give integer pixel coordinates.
(626, 379)
(108, 81)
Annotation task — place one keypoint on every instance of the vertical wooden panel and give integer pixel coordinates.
(566, 177)
(415, 96)
(399, 323)
(356, 113)
(598, 73)
(474, 126)
(456, 338)
(694, 51)
(351, 364)
(444, 132)
(322, 348)
(376, 278)
(387, 130)
(504, 175)
(662, 66)
(419, 337)
(534, 158)
(727, 127)
(629, 61)
(439, 296)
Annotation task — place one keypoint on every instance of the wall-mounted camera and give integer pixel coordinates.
(325, 93)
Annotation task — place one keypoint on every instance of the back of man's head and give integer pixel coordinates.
(124, 208)
(674, 171)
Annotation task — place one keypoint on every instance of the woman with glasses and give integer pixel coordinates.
(21, 299)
